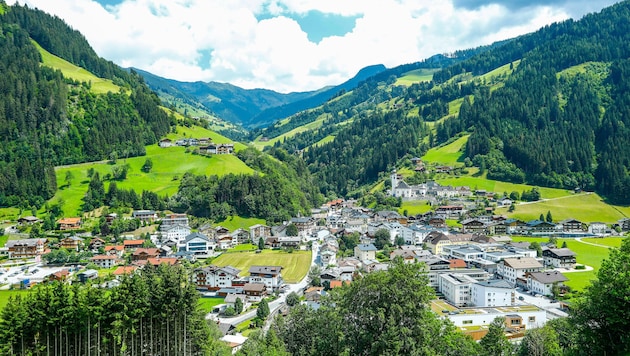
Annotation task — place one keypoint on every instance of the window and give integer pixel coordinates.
(466, 322)
(532, 319)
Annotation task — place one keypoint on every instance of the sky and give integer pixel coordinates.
(295, 45)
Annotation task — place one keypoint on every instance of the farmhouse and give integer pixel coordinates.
(104, 261)
(69, 223)
(559, 257)
(543, 282)
(268, 275)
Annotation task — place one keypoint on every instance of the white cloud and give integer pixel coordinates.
(172, 38)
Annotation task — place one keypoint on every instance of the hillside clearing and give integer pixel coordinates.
(416, 76)
(295, 265)
(451, 153)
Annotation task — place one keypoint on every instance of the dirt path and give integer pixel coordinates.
(579, 239)
(558, 198)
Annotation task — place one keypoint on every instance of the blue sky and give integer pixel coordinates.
(296, 45)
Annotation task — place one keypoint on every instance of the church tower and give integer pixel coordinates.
(394, 180)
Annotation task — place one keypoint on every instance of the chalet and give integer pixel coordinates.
(71, 243)
(59, 276)
(474, 225)
(105, 261)
(156, 261)
(443, 169)
(598, 228)
(117, 250)
(327, 258)
(69, 223)
(537, 227)
(109, 218)
(124, 270)
(205, 140)
(217, 149)
(28, 220)
(559, 257)
(289, 241)
(96, 244)
(230, 299)
(268, 275)
(144, 215)
(572, 225)
(27, 248)
(365, 252)
(241, 236)
(255, 292)
(143, 254)
(225, 242)
(132, 244)
(304, 224)
(437, 222)
(257, 231)
(214, 277)
(543, 282)
(512, 269)
(198, 244)
(165, 142)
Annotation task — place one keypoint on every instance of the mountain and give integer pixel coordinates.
(549, 108)
(248, 107)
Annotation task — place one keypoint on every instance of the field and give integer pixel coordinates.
(236, 222)
(6, 294)
(586, 254)
(450, 154)
(69, 70)
(414, 207)
(307, 127)
(206, 304)
(416, 76)
(169, 165)
(501, 187)
(584, 207)
(294, 265)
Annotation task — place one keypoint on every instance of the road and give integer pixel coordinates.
(579, 239)
(276, 304)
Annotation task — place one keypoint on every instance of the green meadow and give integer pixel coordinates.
(501, 187)
(414, 207)
(169, 165)
(236, 222)
(450, 154)
(416, 76)
(69, 70)
(295, 265)
(584, 207)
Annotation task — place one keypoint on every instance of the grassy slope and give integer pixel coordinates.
(584, 207)
(416, 76)
(69, 70)
(448, 154)
(168, 164)
(294, 265)
(414, 207)
(236, 222)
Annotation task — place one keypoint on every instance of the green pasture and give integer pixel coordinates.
(234, 222)
(307, 127)
(323, 141)
(584, 207)
(450, 154)
(243, 247)
(207, 304)
(6, 294)
(605, 241)
(295, 265)
(69, 70)
(585, 254)
(169, 165)
(414, 207)
(501, 187)
(416, 76)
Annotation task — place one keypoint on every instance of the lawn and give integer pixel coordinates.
(295, 265)
(414, 207)
(169, 165)
(583, 207)
(606, 241)
(206, 304)
(69, 70)
(585, 254)
(234, 222)
(448, 154)
(6, 294)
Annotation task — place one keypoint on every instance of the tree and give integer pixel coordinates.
(292, 230)
(512, 208)
(261, 243)
(495, 343)
(238, 306)
(549, 218)
(230, 311)
(263, 310)
(564, 244)
(553, 240)
(400, 240)
(540, 342)
(293, 299)
(541, 217)
(147, 166)
(381, 238)
(69, 177)
(314, 276)
(536, 246)
(602, 317)
(514, 196)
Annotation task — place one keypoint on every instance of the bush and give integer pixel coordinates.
(229, 311)
(580, 267)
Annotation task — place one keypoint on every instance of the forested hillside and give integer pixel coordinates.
(47, 120)
(554, 113)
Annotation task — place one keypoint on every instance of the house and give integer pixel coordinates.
(572, 225)
(132, 244)
(327, 258)
(241, 236)
(172, 220)
(60, 276)
(450, 211)
(217, 148)
(117, 250)
(456, 288)
(156, 261)
(474, 225)
(144, 215)
(491, 293)
(598, 228)
(230, 300)
(105, 261)
(198, 243)
(124, 270)
(234, 342)
(624, 224)
(559, 257)
(27, 248)
(259, 231)
(165, 142)
(175, 233)
(28, 220)
(537, 227)
(71, 243)
(435, 241)
(87, 275)
(314, 294)
(304, 225)
(365, 252)
(255, 292)
(143, 254)
(214, 277)
(96, 244)
(543, 282)
(512, 269)
(270, 276)
(225, 242)
(69, 223)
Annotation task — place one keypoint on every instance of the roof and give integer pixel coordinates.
(132, 242)
(562, 252)
(114, 247)
(162, 260)
(457, 263)
(265, 269)
(548, 277)
(197, 235)
(522, 262)
(70, 221)
(366, 247)
(149, 251)
(25, 242)
(254, 287)
(496, 283)
(103, 257)
(124, 270)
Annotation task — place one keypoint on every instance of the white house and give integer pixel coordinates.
(512, 269)
(214, 277)
(270, 276)
(105, 261)
(543, 282)
(328, 257)
(176, 233)
(365, 252)
(597, 228)
(491, 293)
(198, 243)
(515, 317)
(456, 288)
(559, 257)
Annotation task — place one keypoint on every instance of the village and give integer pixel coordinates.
(477, 270)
